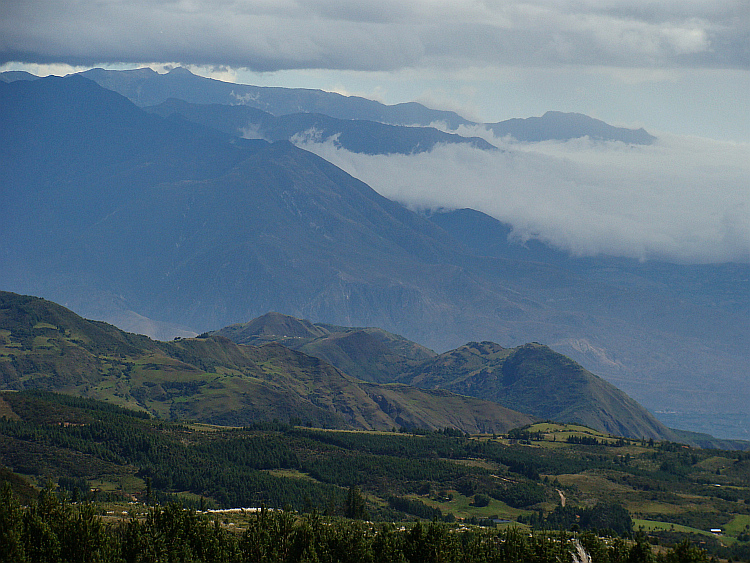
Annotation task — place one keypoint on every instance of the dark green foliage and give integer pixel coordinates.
(84, 403)
(415, 507)
(524, 434)
(519, 495)
(76, 487)
(51, 530)
(379, 473)
(355, 506)
(11, 527)
(736, 552)
(608, 518)
(335, 473)
(175, 534)
(684, 552)
(225, 466)
(641, 551)
(481, 500)
(24, 492)
(585, 440)
(230, 467)
(425, 446)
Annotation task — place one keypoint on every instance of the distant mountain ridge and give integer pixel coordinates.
(360, 136)
(13, 75)
(556, 125)
(146, 87)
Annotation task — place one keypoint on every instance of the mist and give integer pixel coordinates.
(681, 199)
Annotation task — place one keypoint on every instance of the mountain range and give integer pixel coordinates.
(213, 380)
(216, 380)
(178, 225)
(146, 87)
(530, 378)
(360, 136)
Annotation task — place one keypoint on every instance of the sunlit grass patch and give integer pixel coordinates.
(655, 526)
(462, 506)
(739, 524)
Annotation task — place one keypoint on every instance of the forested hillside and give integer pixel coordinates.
(175, 534)
(543, 477)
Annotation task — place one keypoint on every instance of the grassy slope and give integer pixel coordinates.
(531, 378)
(535, 379)
(369, 354)
(43, 345)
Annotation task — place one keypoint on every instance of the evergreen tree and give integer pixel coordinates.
(11, 527)
(355, 506)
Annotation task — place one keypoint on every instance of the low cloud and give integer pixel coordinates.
(682, 199)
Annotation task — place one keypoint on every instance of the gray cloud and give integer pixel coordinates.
(384, 35)
(682, 199)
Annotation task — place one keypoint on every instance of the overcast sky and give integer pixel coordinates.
(679, 68)
(674, 65)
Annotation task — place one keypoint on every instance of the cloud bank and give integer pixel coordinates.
(267, 35)
(682, 199)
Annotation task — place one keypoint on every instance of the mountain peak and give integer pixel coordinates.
(535, 379)
(561, 126)
(483, 348)
(180, 71)
(274, 325)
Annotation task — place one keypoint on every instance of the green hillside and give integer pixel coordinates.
(369, 354)
(531, 378)
(211, 379)
(537, 380)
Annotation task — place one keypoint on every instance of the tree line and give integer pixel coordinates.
(54, 531)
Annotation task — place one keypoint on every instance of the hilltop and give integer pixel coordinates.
(370, 354)
(537, 380)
